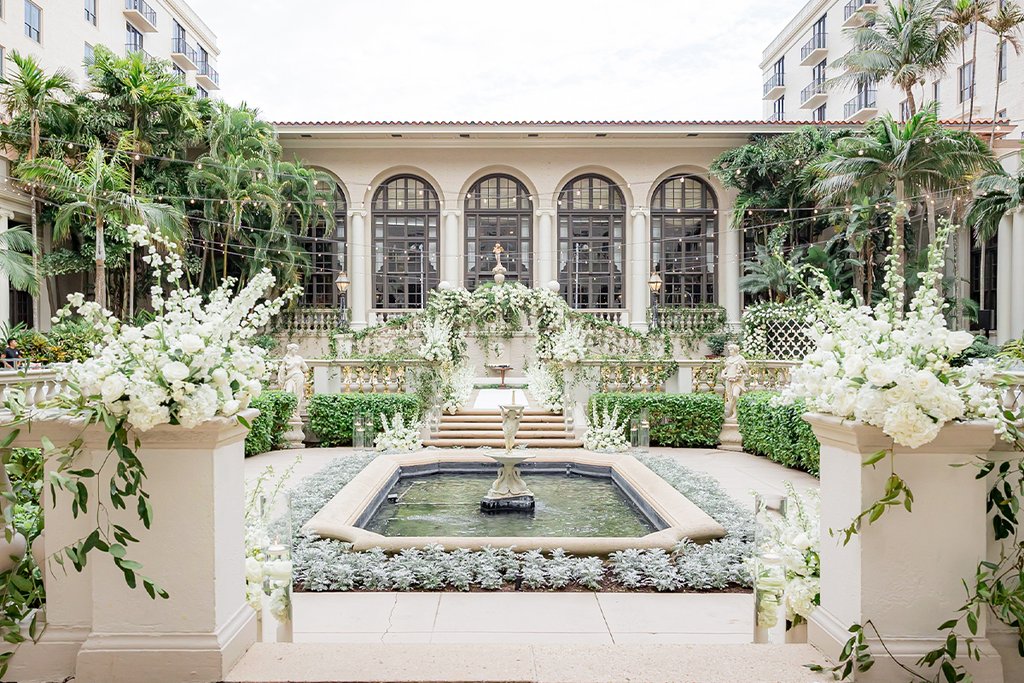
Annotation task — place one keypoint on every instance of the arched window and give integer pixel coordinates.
(591, 224)
(406, 214)
(684, 234)
(498, 211)
(326, 251)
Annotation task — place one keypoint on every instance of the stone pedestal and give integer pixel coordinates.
(102, 631)
(295, 436)
(730, 438)
(905, 571)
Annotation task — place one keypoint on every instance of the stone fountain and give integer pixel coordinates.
(509, 492)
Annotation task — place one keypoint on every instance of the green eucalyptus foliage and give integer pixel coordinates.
(677, 420)
(276, 408)
(777, 432)
(330, 415)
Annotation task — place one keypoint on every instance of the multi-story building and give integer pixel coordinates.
(63, 34)
(800, 62)
(799, 66)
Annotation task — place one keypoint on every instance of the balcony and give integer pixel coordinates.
(814, 95)
(814, 50)
(133, 49)
(184, 55)
(208, 77)
(141, 15)
(775, 87)
(852, 14)
(862, 107)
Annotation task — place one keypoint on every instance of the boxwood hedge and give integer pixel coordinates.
(276, 408)
(777, 432)
(677, 420)
(330, 415)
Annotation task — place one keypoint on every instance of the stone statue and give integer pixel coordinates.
(291, 375)
(499, 269)
(734, 374)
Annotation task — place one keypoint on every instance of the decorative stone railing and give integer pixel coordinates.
(357, 376)
(619, 316)
(634, 376)
(310, 320)
(696, 320)
(706, 374)
(382, 315)
(38, 384)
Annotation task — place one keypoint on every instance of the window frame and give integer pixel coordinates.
(134, 39)
(29, 29)
(1002, 68)
(689, 276)
(90, 14)
(579, 232)
(395, 288)
(318, 287)
(819, 115)
(965, 90)
(89, 54)
(478, 246)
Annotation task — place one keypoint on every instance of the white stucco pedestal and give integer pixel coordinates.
(195, 551)
(905, 571)
(730, 438)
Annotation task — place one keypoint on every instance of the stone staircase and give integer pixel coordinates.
(478, 428)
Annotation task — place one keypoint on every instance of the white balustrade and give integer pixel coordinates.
(38, 385)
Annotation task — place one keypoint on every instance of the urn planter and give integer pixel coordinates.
(904, 573)
(194, 550)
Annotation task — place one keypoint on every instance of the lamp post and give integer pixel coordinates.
(654, 282)
(342, 282)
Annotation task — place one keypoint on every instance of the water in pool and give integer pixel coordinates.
(449, 505)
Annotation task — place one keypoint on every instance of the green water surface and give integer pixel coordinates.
(449, 505)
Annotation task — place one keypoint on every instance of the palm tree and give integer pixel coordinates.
(1006, 25)
(30, 92)
(16, 247)
(981, 10)
(155, 104)
(98, 189)
(961, 15)
(904, 43)
(995, 195)
(770, 273)
(906, 160)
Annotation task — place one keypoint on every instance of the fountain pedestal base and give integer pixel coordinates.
(524, 503)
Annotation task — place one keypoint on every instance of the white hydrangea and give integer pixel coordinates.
(890, 368)
(569, 346)
(545, 386)
(397, 437)
(606, 432)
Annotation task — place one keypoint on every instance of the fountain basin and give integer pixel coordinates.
(671, 514)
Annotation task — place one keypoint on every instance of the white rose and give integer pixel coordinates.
(801, 541)
(112, 388)
(959, 341)
(878, 374)
(190, 343)
(253, 570)
(219, 376)
(175, 371)
(278, 570)
(230, 407)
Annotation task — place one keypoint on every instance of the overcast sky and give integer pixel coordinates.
(527, 59)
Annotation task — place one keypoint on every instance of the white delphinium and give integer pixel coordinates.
(457, 387)
(890, 368)
(787, 568)
(260, 501)
(193, 362)
(396, 436)
(569, 346)
(545, 386)
(436, 346)
(606, 432)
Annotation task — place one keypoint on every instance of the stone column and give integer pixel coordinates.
(1016, 291)
(638, 269)
(451, 243)
(1004, 273)
(729, 267)
(545, 248)
(5, 284)
(194, 550)
(360, 294)
(903, 572)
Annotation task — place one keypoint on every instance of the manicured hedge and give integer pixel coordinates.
(677, 420)
(276, 408)
(330, 415)
(777, 432)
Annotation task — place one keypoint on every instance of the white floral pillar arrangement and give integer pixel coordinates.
(162, 410)
(901, 525)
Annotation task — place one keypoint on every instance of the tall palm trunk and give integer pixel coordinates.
(911, 101)
(974, 69)
(995, 105)
(32, 152)
(101, 263)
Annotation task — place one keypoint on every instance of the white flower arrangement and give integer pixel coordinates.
(397, 437)
(787, 568)
(261, 572)
(546, 387)
(606, 432)
(892, 369)
(192, 363)
(569, 346)
(436, 346)
(457, 388)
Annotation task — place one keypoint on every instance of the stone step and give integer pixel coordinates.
(492, 412)
(491, 426)
(495, 418)
(511, 663)
(498, 434)
(500, 443)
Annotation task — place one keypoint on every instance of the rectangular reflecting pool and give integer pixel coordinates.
(448, 504)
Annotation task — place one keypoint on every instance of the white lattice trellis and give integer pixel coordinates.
(777, 331)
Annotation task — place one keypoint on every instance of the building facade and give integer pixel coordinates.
(801, 59)
(63, 34)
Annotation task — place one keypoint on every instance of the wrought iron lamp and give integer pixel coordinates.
(654, 282)
(342, 282)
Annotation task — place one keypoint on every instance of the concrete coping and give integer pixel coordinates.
(675, 515)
